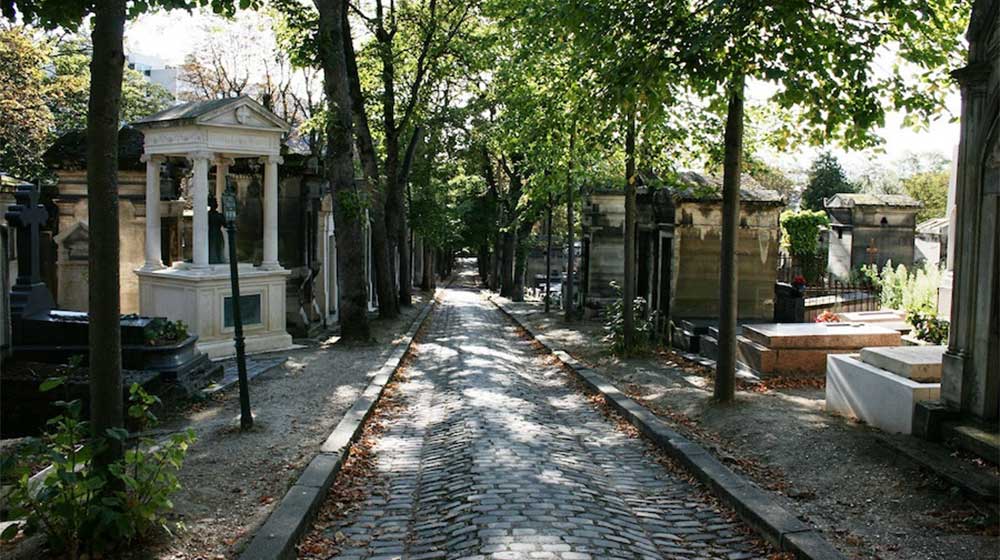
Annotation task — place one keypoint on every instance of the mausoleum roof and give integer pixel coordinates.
(694, 186)
(69, 151)
(203, 112)
(850, 200)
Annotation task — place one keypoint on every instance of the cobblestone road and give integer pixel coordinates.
(495, 456)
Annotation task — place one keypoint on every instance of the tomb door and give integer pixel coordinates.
(664, 258)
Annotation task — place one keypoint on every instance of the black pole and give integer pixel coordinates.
(548, 257)
(246, 417)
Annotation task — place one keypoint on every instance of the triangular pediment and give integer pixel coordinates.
(243, 112)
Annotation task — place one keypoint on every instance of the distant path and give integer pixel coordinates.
(495, 456)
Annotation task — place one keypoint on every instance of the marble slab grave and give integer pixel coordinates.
(851, 336)
(919, 363)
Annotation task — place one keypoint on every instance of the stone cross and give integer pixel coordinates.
(29, 295)
(28, 216)
(872, 251)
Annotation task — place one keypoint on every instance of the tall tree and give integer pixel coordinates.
(826, 178)
(349, 201)
(25, 119)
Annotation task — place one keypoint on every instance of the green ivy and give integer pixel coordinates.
(800, 231)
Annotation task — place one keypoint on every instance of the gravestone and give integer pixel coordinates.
(29, 296)
(789, 304)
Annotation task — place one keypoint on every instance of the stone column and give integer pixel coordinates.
(154, 257)
(948, 277)
(270, 259)
(199, 205)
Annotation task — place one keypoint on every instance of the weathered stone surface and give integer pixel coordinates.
(919, 363)
(820, 335)
(880, 398)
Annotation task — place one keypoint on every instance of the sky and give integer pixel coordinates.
(170, 36)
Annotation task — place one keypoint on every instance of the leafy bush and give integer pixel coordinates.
(614, 325)
(927, 327)
(800, 231)
(72, 505)
(914, 292)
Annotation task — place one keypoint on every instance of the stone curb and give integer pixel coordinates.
(277, 537)
(757, 507)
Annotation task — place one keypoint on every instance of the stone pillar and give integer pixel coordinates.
(270, 259)
(199, 205)
(154, 257)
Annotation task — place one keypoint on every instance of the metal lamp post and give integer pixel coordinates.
(229, 212)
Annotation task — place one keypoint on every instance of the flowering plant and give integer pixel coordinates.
(799, 281)
(827, 317)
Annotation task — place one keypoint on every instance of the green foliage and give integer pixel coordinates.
(80, 508)
(614, 326)
(162, 331)
(67, 88)
(25, 119)
(930, 188)
(826, 178)
(800, 231)
(914, 292)
(927, 327)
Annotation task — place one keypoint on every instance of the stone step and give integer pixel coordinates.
(974, 439)
(880, 398)
(757, 357)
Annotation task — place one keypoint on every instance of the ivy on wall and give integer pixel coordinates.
(800, 231)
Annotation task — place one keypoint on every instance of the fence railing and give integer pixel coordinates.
(839, 297)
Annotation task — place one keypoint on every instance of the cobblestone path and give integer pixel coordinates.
(495, 456)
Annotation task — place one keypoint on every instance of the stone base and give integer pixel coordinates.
(255, 344)
(197, 296)
(879, 398)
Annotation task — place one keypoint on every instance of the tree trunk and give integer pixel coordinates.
(507, 262)
(725, 373)
(570, 221)
(521, 259)
(483, 263)
(106, 68)
(427, 276)
(548, 257)
(496, 262)
(405, 240)
(628, 290)
(385, 274)
(347, 197)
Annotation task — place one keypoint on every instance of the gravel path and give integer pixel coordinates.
(495, 455)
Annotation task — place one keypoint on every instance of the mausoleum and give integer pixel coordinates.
(870, 229)
(214, 133)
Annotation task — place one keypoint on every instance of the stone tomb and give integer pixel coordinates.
(215, 132)
(888, 318)
(800, 349)
(881, 386)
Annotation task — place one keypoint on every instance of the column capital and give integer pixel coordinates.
(272, 159)
(224, 161)
(200, 155)
(152, 158)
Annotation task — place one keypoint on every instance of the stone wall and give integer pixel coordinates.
(697, 246)
(72, 275)
(970, 379)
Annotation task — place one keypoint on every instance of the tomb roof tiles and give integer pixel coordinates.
(187, 111)
(850, 200)
(699, 187)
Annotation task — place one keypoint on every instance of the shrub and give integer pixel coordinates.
(614, 325)
(161, 331)
(800, 235)
(71, 506)
(928, 327)
(910, 291)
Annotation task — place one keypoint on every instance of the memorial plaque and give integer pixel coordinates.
(249, 309)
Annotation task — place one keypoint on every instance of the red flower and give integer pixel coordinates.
(799, 280)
